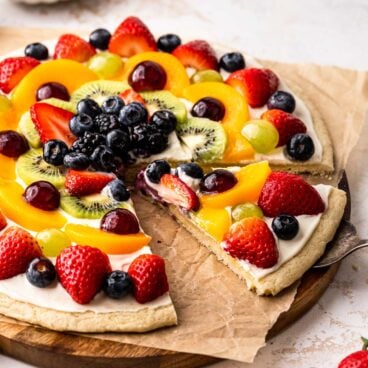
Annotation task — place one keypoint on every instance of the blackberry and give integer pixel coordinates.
(106, 123)
(148, 139)
(88, 143)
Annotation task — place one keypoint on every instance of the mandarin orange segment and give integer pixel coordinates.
(238, 148)
(7, 167)
(18, 210)
(8, 120)
(177, 78)
(107, 242)
(69, 73)
(251, 179)
(214, 221)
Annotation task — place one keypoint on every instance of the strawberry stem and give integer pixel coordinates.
(365, 343)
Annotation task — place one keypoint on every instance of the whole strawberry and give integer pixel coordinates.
(286, 124)
(149, 277)
(285, 193)
(17, 249)
(70, 46)
(250, 239)
(81, 271)
(359, 359)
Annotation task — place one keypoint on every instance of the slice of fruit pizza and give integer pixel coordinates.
(269, 227)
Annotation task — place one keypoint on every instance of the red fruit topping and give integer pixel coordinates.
(255, 84)
(13, 70)
(70, 46)
(42, 195)
(12, 144)
(81, 270)
(285, 193)
(132, 37)
(52, 122)
(80, 183)
(129, 96)
(175, 191)
(217, 181)
(3, 221)
(52, 90)
(197, 54)
(359, 359)
(120, 221)
(250, 239)
(147, 76)
(286, 124)
(17, 249)
(149, 277)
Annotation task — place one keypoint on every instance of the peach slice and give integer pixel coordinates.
(67, 72)
(107, 242)
(215, 221)
(7, 167)
(251, 179)
(177, 78)
(18, 210)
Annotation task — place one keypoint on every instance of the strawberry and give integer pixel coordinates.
(132, 37)
(82, 270)
(81, 183)
(17, 249)
(290, 194)
(70, 46)
(13, 70)
(255, 84)
(197, 54)
(149, 277)
(174, 190)
(286, 124)
(3, 221)
(251, 239)
(52, 122)
(129, 95)
(359, 359)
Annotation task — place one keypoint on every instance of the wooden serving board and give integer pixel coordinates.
(46, 348)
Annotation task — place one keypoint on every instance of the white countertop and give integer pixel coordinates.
(329, 32)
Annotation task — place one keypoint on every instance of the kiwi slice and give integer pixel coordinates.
(98, 90)
(31, 167)
(205, 138)
(28, 129)
(66, 105)
(89, 207)
(165, 100)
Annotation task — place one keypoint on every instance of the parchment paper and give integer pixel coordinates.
(217, 316)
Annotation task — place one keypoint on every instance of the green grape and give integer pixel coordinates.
(5, 103)
(262, 135)
(246, 210)
(52, 241)
(206, 76)
(105, 64)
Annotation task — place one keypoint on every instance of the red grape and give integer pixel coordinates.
(52, 90)
(148, 76)
(12, 144)
(209, 108)
(43, 195)
(120, 221)
(217, 181)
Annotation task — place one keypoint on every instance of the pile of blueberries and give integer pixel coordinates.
(111, 136)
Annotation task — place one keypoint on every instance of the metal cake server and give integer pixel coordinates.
(345, 242)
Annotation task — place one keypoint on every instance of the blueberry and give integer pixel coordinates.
(156, 169)
(232, 61)
(285, 226)
(118, 190)
(118, 141)
(165, 120)
(81, 123)
(102, 159)
(282, 100)
(192, 169)
(117, 284)
(300, 147)
(37, 50)
(54, 151)
(133, 114)
(89, 107)
(41, 272)
(157, 143)
(168, 42)
(76, 161)
(100, 38)
(113, 105)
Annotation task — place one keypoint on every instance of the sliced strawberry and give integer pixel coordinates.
(82, 270)
(70, 46)
(80, 183)
(197, 54)
(17, 249)
(52, 122)
(3, 221)
(13, 70)
(289, 194)
(251, 239)
(129, 95)
(175, 191)
(149, 277)
(132, 37)
(286, 124)
(255, 84)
